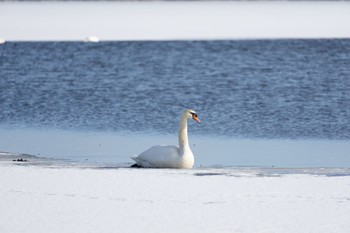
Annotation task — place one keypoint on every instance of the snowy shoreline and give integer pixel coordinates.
(38, 198)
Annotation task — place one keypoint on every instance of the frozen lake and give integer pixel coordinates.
(88, 200)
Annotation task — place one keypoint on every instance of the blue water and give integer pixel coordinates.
(247, 89)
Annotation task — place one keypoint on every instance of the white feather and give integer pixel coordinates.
(170, 156)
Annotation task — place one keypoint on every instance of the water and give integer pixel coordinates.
(246, 89)
(265, 89)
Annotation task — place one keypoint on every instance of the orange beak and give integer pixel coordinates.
(196, 119)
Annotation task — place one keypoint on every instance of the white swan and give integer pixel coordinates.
(170, 156)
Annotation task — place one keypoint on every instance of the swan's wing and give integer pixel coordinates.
(158, 156)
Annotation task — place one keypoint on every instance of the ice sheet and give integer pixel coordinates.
(37, 198)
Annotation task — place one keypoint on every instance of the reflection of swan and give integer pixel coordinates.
(2, 41)
(170, 156)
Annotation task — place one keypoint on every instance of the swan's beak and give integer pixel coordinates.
(196, 119)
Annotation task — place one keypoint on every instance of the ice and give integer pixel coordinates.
(78, 199)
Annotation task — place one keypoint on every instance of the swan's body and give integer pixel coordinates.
(170, 156)
(164, 157)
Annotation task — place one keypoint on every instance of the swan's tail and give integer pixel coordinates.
(134, 157)
(135, 166)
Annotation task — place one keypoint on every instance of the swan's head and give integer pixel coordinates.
(191, 114)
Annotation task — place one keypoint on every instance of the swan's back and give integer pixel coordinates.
(162, 157)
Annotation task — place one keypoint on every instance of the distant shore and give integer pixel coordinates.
(173, 20)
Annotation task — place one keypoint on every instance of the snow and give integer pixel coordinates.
(95, 199)
(174, 20)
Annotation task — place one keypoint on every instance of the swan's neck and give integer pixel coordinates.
(183, 138)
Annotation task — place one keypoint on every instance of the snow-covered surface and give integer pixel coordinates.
(174, 20)
(57, 198)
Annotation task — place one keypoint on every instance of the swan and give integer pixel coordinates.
(170, 156)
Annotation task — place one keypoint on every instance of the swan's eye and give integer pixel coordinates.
(194, 114)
